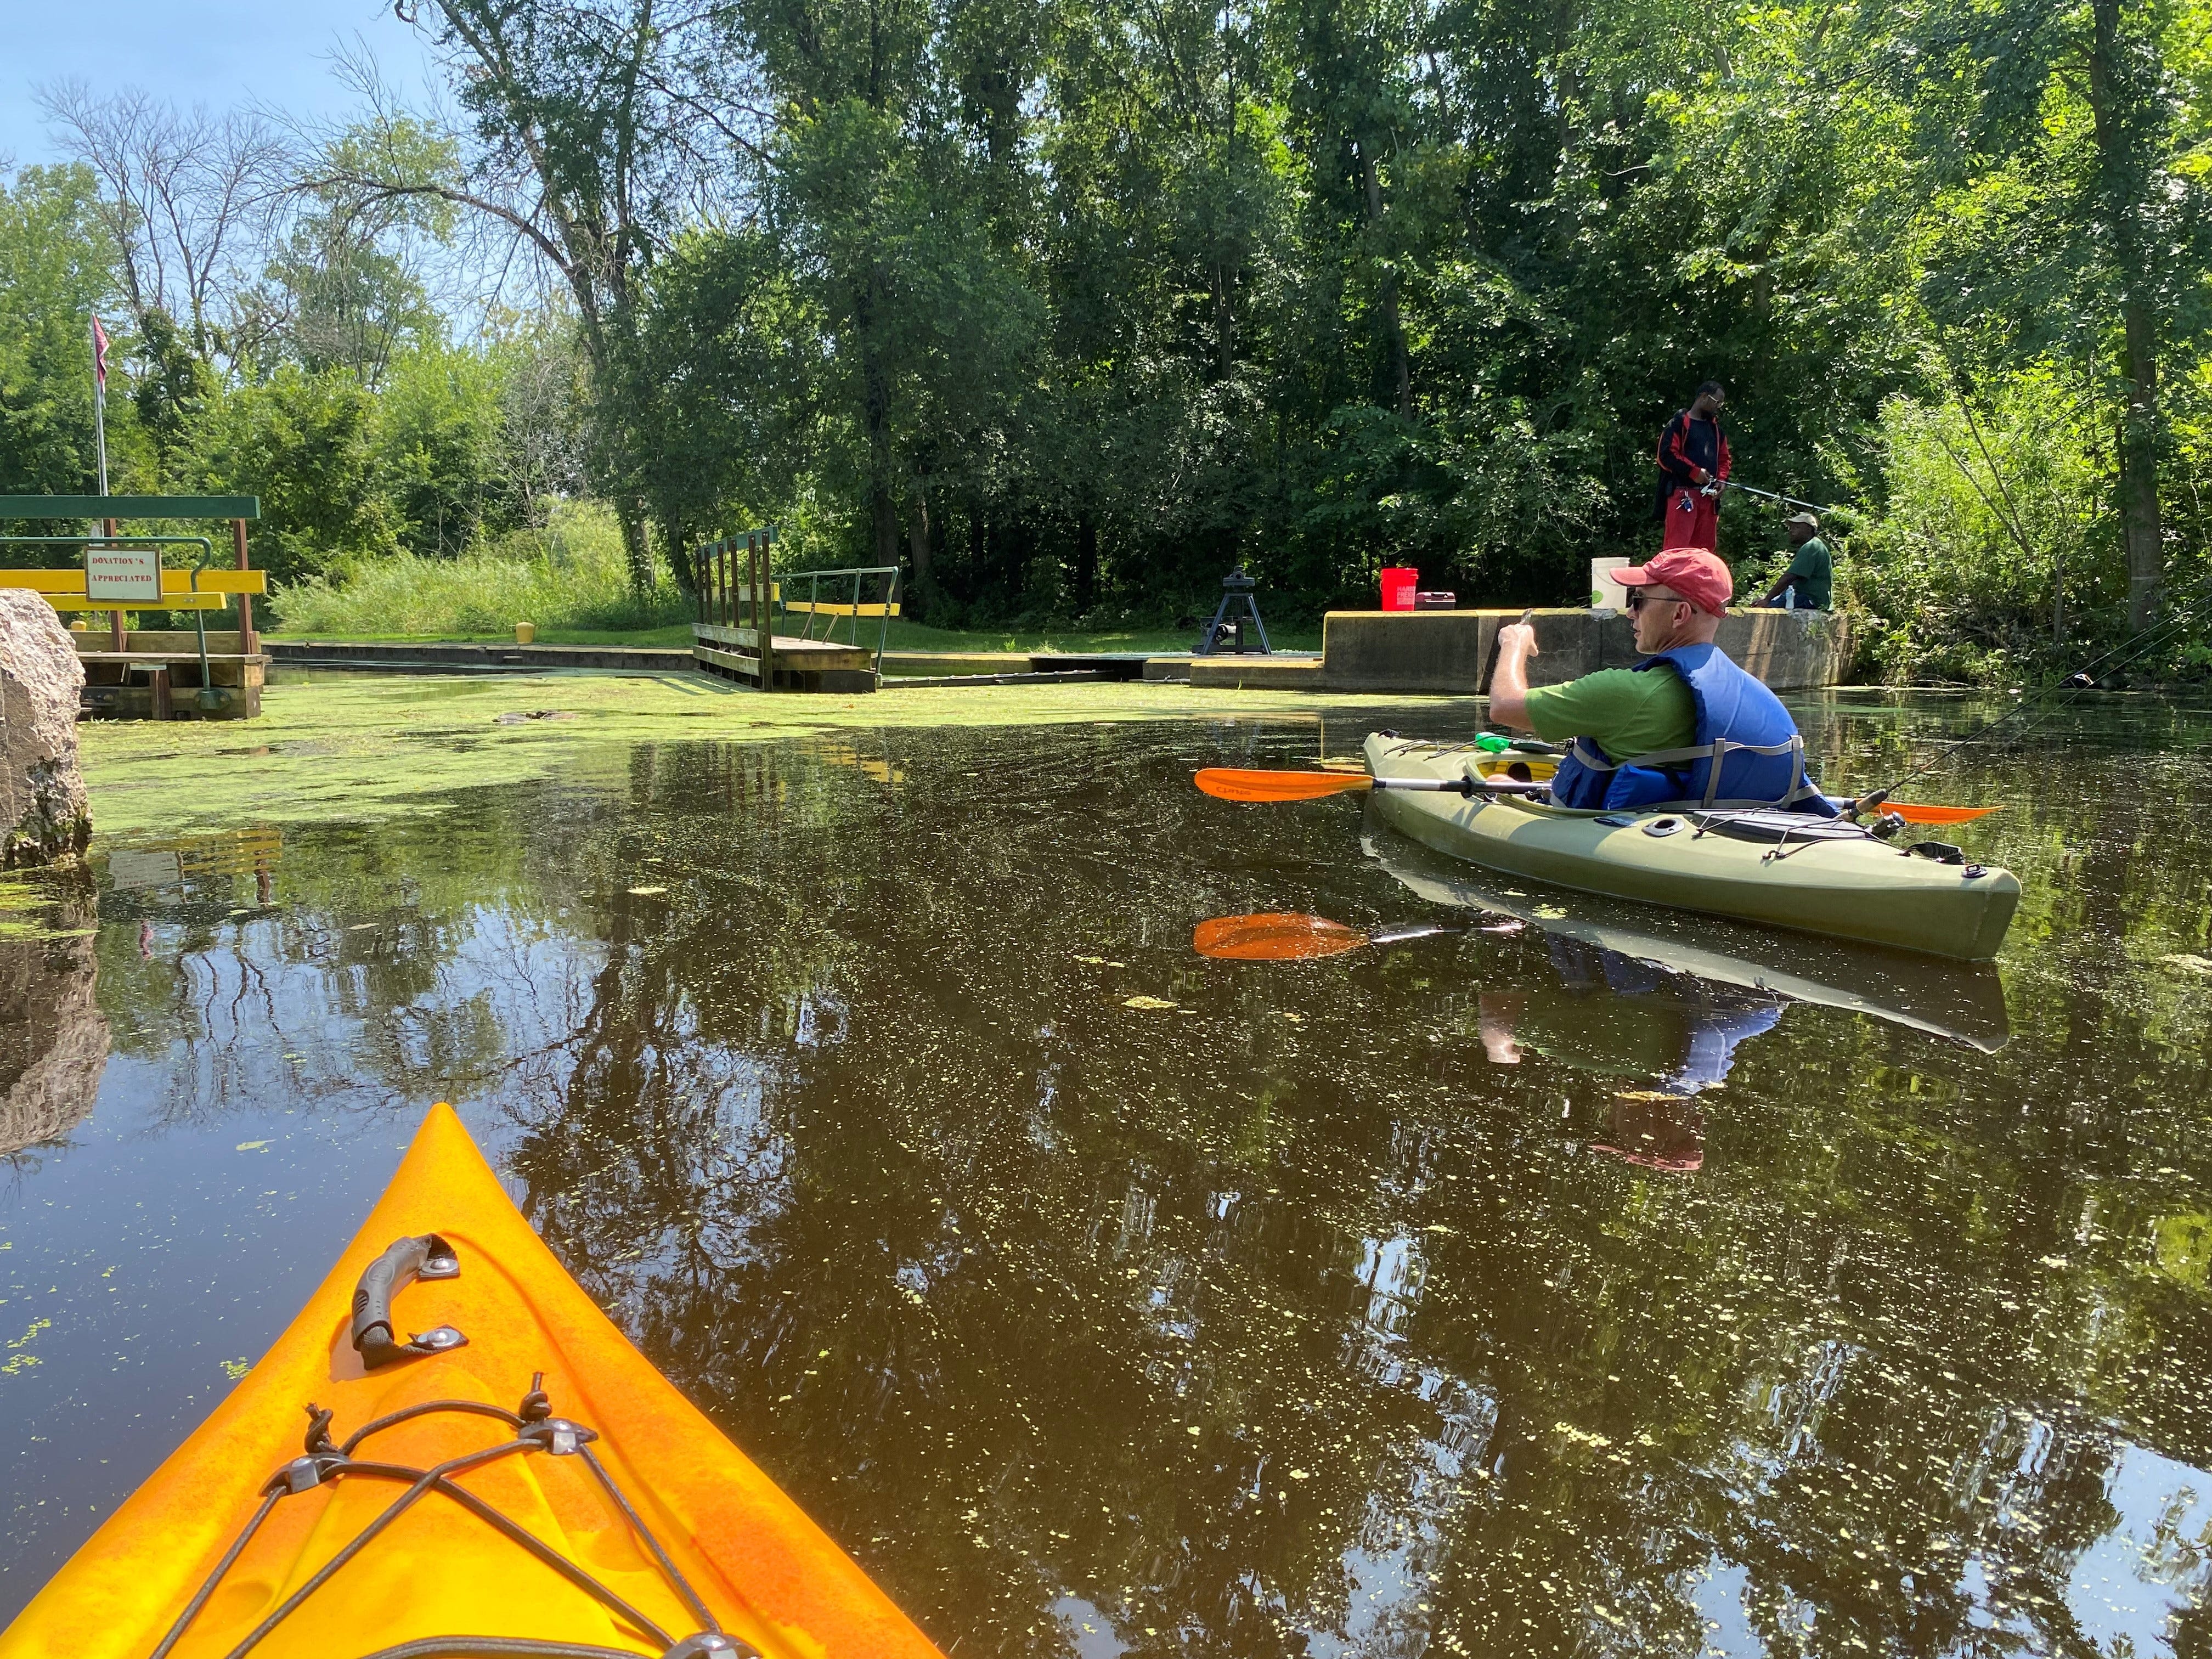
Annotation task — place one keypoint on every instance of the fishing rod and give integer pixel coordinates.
(1720, 484)
(2082, 679)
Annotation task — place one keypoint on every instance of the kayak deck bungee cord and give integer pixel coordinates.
(517, 1481)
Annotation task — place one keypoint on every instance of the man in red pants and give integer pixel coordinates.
(1693, 459)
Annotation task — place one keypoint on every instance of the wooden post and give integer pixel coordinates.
(766, 631)
(247, 643)
(159, 680)
(117, 639)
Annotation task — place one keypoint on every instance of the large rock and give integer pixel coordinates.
(44, 814)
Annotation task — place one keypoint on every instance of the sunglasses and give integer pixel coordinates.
(1640, 597)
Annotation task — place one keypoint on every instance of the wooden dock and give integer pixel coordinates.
(741, 600)
(157, 676)
(796, 664)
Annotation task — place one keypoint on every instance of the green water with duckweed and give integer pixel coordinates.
(1549, 1284)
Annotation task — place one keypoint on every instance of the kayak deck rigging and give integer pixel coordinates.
(445, 1520)
(535, 1430)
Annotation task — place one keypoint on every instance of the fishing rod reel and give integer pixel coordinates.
(1885, 825)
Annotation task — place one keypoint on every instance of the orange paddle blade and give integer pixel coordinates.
(1236, 783)
(1281, 936)
(1912, 814)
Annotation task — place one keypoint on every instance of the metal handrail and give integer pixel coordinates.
(112, 541)
(859, 573)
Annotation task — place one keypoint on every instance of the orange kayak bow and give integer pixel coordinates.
(516, 1480)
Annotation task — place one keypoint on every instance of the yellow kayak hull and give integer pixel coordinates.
(1863, 889)
(767, 1574)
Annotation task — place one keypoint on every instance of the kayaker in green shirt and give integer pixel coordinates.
(1623, 711)
(1811, 576)
(1685, 724)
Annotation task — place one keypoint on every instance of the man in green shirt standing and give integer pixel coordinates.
(1810, 578)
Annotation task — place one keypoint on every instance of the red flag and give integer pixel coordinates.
(99, 355)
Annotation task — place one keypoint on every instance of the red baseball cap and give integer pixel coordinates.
(1700, 577)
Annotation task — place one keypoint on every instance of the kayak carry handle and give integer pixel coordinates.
(404, 1260)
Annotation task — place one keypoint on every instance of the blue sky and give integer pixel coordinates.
(217, 52)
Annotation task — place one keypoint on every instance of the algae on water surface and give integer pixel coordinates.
(379, 746)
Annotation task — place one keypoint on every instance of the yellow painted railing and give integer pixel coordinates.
(64, 589)
(173, 581)
(830, 608)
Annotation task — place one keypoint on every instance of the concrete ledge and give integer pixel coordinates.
(1449, 651)
(466, 656)
(939, 664)
(1260, 673)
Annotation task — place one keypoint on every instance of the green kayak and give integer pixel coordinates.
(1786, 870)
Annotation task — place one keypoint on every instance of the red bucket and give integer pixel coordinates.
(1400, 582)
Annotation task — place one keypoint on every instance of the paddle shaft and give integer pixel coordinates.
(1467, 786)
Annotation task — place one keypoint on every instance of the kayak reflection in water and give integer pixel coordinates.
(1627, 1018)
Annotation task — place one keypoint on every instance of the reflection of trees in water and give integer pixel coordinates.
(368, 967)
(53, 1038)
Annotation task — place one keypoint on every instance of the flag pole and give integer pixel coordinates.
(118, 636)
(99, 398)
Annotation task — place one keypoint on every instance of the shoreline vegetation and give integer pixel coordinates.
(570, 580)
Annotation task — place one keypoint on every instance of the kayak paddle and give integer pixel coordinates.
(1252, 784)
(1912, 814)
(1287, 936)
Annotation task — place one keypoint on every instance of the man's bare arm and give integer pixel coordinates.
(1509, 681)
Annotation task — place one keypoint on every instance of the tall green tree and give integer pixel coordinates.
(2075, 218)
(585, 121)
(304, 443)
(437, 441)
(58, 266)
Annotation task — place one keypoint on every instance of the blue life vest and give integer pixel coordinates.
(1747, 750)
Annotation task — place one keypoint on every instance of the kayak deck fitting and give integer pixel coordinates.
(1787, 870)
(520, 1481)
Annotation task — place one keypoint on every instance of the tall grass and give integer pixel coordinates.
(569, 576)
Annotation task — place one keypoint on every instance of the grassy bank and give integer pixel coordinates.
(366, 748)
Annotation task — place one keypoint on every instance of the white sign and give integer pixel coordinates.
(1606, 593)
(156, 869)
(123, 575)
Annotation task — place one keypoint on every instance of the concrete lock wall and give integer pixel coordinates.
(1449, 652)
